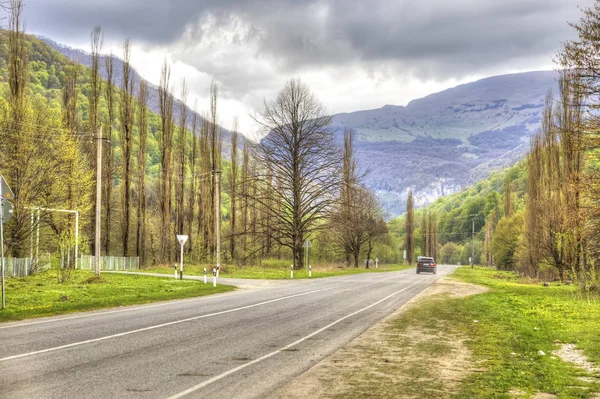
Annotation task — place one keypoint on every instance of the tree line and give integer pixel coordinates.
(159, 171)
(540, 218)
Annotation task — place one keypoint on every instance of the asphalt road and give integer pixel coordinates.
(243, 344)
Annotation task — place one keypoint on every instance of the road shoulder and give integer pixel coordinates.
(391, 359)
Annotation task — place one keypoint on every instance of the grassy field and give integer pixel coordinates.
(274, 272)
(42, 295)
(505, 330)
(486, 345)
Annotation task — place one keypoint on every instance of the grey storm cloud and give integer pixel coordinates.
(432, 39)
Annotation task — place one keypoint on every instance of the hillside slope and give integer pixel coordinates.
(441, 143)
(85, 59)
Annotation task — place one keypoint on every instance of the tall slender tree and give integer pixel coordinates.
(166, 145)
(244, 192)
(142, 155)
(233, 183)
(109, 171)
(424, 235)
(193, 181)
(215, 154)
(70, 110)
(508, 200)
(410, 229)
(94, 102)
(127, 122)
(180, 212)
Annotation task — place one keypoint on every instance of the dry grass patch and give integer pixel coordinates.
(388, 361)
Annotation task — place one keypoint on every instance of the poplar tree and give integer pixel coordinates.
(191, 213)
(424, 235)
(233, 182)
(410, 229)
(109, 171)
(127, 122)
(180, 211)
(94, 102)
(142, 155)
(166, 145)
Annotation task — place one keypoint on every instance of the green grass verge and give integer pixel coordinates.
(514, 322)
(274, 272)
(42, 295)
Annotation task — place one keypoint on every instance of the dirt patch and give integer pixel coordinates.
(519, 394)
(382, 362)
(543, 395)
(570, 353)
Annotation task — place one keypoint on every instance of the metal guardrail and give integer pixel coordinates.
(86, 262)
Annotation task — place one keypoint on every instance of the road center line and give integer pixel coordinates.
(176, 322)
(268, 355)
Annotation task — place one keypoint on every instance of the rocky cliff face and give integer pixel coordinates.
(441, 143)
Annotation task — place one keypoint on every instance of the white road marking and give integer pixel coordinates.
(175, 322)
(129, 309)
(268, 355)
(135, 307)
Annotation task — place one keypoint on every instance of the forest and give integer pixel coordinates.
(169, 172)
(540, 217)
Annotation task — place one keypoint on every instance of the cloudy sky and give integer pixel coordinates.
(355, 54)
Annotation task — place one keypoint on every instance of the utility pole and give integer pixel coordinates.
(217, 174)
(98, 200)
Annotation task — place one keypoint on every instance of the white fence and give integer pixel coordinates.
(86, 262)
(21, 267)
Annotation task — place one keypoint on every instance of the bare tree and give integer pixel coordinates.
(303, 158)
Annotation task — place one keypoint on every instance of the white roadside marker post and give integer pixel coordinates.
(309, 271)
(292, 271)
(205, 275)
(214, 277)
(376, 263)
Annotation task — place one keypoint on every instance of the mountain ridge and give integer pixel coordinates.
(435, 145)
(445, 141)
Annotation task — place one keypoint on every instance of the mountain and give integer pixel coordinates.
(441, 143)
(436, 145)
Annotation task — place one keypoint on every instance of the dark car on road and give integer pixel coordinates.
(425, 264)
